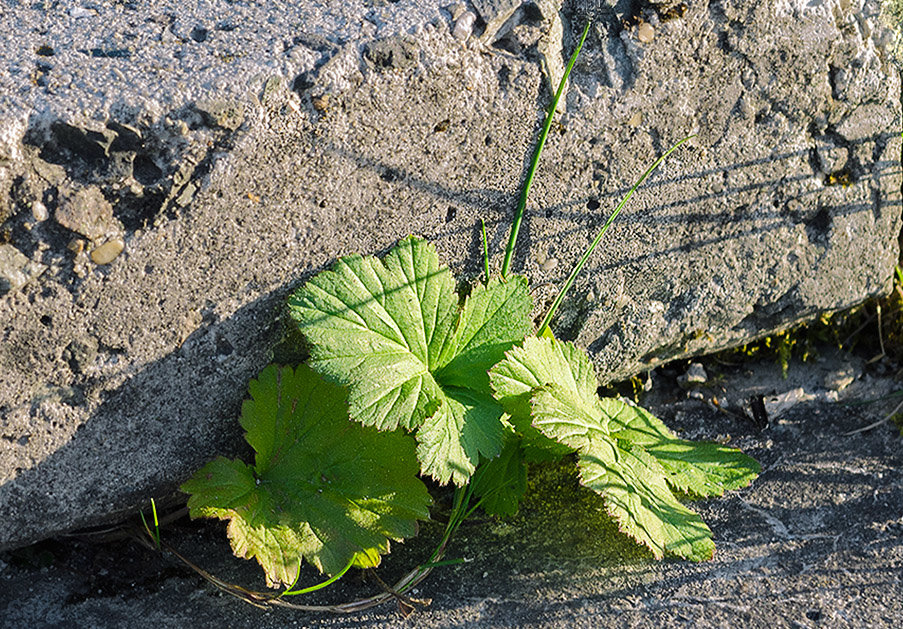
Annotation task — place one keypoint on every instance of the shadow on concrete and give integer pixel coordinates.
(174, 414)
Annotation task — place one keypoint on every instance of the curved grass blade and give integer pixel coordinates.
(589, 250)
(534, 163)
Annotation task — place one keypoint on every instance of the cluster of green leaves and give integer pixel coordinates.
(624, 453)
(406, 377)
(395, 333)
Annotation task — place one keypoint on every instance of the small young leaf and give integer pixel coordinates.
(322, 487)
(697, 468)
(392, 331)
(450, 442)
(500, 483)
(631, 481)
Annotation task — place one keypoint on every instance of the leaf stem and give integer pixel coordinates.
(522, 203)
(589, 250)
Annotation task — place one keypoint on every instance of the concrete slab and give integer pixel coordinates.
(171, 172)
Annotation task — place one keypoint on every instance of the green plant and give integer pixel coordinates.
(154, 535)
(407, 376)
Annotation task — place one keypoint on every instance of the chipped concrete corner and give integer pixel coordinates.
(169, 174)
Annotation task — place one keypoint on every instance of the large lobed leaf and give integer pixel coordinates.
(322, 487)
(381, 328)
(638, 499)
(393, 332)
(631, 482)
(696, 468)
(624, 453)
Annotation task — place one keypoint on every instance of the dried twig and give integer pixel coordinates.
(877, 423)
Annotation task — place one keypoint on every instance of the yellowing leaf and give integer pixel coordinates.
(322, 487)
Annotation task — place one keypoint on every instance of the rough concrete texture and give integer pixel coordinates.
(816, 541)
(169, 172)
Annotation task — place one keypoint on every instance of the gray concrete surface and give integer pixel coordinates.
(816, 541)
(169, 172)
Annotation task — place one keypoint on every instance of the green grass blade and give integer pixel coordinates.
(589, 251)
(318, 586)
(155, 534)
(485, 251)
(522, 203)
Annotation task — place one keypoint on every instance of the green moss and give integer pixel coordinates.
(561, 519)
(892, 14)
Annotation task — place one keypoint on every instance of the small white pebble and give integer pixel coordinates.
(645, 32)
(107, 252)
(549, 265)
(79, 12)
(636, 119)
(39, 211)
(464, 26)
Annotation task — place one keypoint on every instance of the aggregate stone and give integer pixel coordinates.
(228, 189)
(695, 375)
(86, 212)
(108, 251)
(16, 270)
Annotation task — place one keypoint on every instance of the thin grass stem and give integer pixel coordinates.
(569, 282)
(485, 251)
(155, 534)
(534, 163)
(319, 586)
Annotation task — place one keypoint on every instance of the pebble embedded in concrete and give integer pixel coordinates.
(107, 252)
(85, 211)
(464, 26)
(39, 211)
(840, 377)
(16, 269)
(81, 353)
